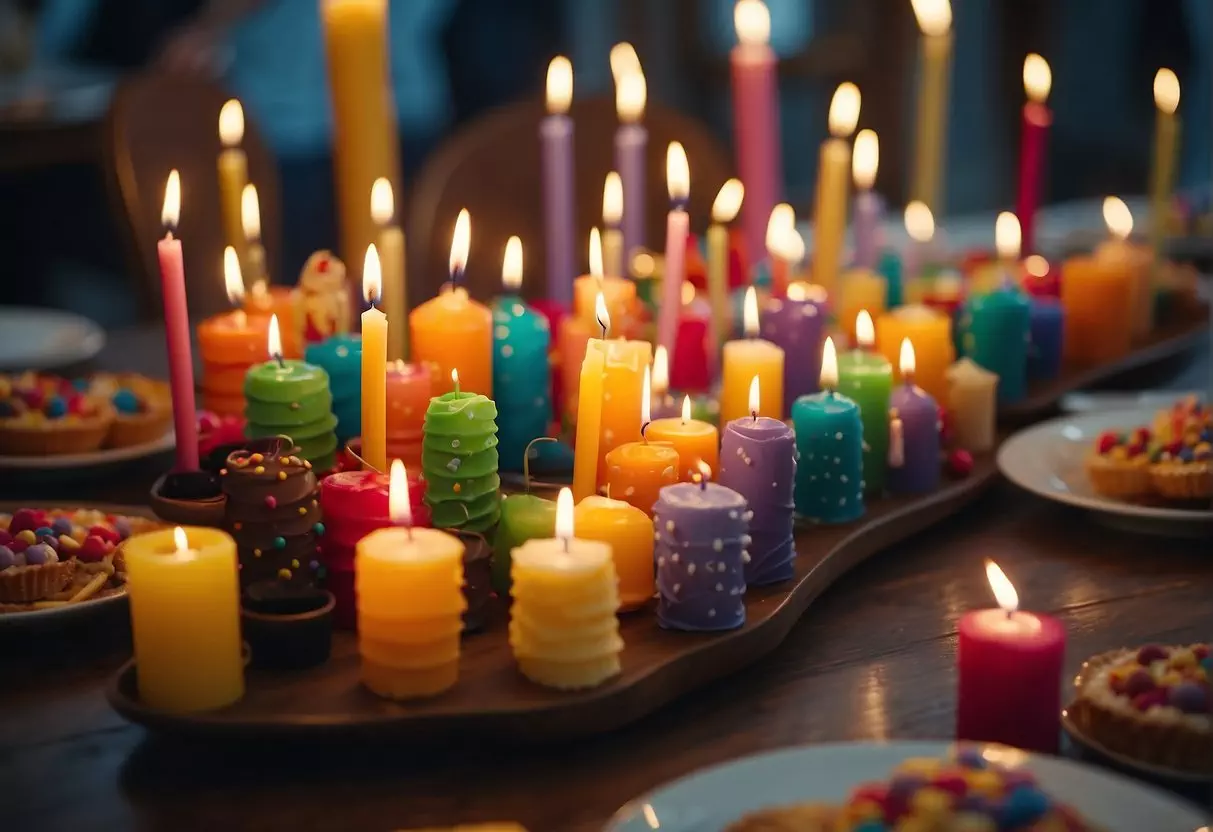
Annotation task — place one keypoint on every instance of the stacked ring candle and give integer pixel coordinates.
(230, 344)
(459, 458)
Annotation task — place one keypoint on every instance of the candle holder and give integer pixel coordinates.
(287, 629)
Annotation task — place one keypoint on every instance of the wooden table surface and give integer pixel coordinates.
(872, 659)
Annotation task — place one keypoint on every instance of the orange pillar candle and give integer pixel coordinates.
(454, 332)
(930, 332)
(744, 359)
(622, 391)
(695, 441)
(637, 471)
(1119, 249)
(229, 344)
(1097, 298)
(589, 410)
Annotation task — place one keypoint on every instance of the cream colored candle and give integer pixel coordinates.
(256, 273)
(390, 244)
(185, 618)
(374, 368)
(1120, 250)
(612, 236)
(233, 176)
(724, 211)
(972, 405)
(833, 180)
(931, 122)
(1166, 151)
(746, 358)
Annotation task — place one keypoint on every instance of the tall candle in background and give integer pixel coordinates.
(724, 210)
(559, 200)
(780, 246)
(833, 179)
(233, 175)
(229, 344)
(796, 324)
(631, 144)
(662, 404)
(1166, 151)
(756, 120)
(920, 250)
(390, 245)
(589, 409)
(374, 367)
(177, 328)
(868, 212)
(262, 299)
(678, 183)
(257, 270)
(866, 377)
(1037, 79)
(1119, 250)
(914, 443)
(612, 235)
(931, 122)
(748, 357)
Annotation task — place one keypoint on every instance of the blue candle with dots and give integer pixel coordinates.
(1047, 337)
(829, 441)
(994, 332)
(341, 357)
(521, 372)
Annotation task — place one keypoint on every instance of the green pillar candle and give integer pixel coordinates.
(459, 458)
(994, 332)
(292, 398)
(867, 379)
(523, 517)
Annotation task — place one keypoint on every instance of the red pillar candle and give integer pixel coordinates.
(1009, 673)
(1036, 120)
(693, 367)
(177, 329)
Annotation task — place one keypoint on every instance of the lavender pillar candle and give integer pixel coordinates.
(559, 208)
(758, 461)
(796, 324)
(631, 144)
(702, 531)
(1045, 336)
(913, 434)
(867, 217)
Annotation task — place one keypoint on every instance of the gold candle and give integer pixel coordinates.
(934, 71)
(833, 179)
(612, 236)
(1166, 148)
(390, 243)
(724, 211)
(233, 176)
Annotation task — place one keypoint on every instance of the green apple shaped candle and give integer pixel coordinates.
(459, 458)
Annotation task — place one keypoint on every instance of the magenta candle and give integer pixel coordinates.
(692, 370)
(1009, 673)
(559, 208)
(1036, 120)
(755, 121)
(631, 145)
(177, 329)
(678, 179)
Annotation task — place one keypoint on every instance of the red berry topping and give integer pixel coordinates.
(5, 537)
(105, 533)
(27, 518)
(19, 545)
(1141, 436)
(1138, 682)
(1151, 653)
(952, 783)
(34, 397)
(1145, 701)
(93, 549)
(1201, 651)
(1136, 448)
(322, 265)
(870, 793)
(960, 463)
(1107, 441)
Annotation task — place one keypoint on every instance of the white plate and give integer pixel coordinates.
(1047, 459)
(44, 339)
(56, 616)
(93, 459)
(711, 799)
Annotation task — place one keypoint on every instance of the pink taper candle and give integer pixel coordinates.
(678, 181)
(177, 329)
(1036, 120)
(755, 121)
(556, 143)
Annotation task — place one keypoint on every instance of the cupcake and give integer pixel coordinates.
(1183, 469)
(1119, 464)
(45, 416)
(143, 408)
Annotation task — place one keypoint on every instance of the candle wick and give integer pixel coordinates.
(281, 361)
(565, 540)
(409, 528)
(643, 429)
(754, 414)
(1010, 613)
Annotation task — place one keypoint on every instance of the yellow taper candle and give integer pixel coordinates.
(931, 130)
(374, 367)
(256, 272)
(833, 180)
(1166, 148)
(390, 244)
(612, 234)
(724, 211)
(589, 409)
(744, 359)
(185, 618)
(233, 176)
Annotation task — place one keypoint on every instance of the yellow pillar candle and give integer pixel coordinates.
(1166, 150)
(256, 272)
(859, 289)
(374, 368)
(972, 405)
(930, 332)
(695, 441)
(724, 210)
(833, 180)
(1118, 249)
(233, 176)
(629, 533)
(612, 235)
(390, 244)
(563, 625)
(185, 618)
(934, 71)
(365, 144)
(409, 585)
(746, 358)
(589, 411)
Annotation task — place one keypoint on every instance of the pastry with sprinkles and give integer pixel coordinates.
(44, 415)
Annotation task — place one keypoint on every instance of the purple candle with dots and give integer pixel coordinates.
(559, 208)
(914, 442)
(702, 534)
(796, 324)
(631, 145)
(758, 461)
(1045, 338)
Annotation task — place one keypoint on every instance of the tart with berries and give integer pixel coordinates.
(1183, 468)
(143, 408)
(966, 792)
(1119, 464)
(1153, 705)
(47, 415)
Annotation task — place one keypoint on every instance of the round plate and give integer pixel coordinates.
(43, 339)
(711, 799)
(1047, 459)
(93, 459)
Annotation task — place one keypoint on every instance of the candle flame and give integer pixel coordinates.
(250, 212)
(596, 269)
(705, 471)
(865, 158)
(372, 275)
(646, 393)
(1004, 590)
(274, 340)
(399, 509)
(1166, 90)
(782, 219)
(920, 223)
(181, 541)
(564, 515)
(631, 93)
(461, 239)
(603, 316)
(612, 200)
(728, 201)
(688, 292)
(791, 246)
(752, 20)
(906, 360)
(677, 173)
(749, 313)
(844, 110)
(624, 60)
(559, 92)
(383, 201)
(455, 378)
(233, 280)
(1118, 217)
(170, 214)
(755, 397)
(231, 123)
(1037, 78)
(1008, 236)
(934, 16)
(865, 331)
(511, 265)
(1036, 265)
(686, 409)
(829, 365)
(661, 370)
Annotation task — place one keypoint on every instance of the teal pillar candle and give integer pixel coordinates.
(522, 378)
(866, 378)
(459, 459)
(829, 472)
(341, 357)
(523, 517)
(995, 332)
(292, 398)
(890, 268)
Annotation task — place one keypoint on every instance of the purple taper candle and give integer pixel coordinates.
(559, 207)
(631, 144)
(869, 208)
(678, 181)
(914, 442)
(796, 324)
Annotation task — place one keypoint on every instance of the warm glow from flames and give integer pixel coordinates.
(559, 91)
(688, 292)
(865, 331)
(511, 265)
(934, 16)
(1008, 236)
(920, 223)
(829, 365)
(749, 313)
(677, 173)
(906, 360)
(383, 201)
(231, 123)
(399, 510)
(624, 60)
(596, 268)
(705, 471)
(603, 316)
(564, 515)
(233, 280)
(631, 94)
(275, 338)
(181, 541)
(1166, 90)
(372, 275)
(728, 201)
(461, 240)
(1118, 217)
(250, 212)
(865, 159)
(1037, 78)
(612, 199)
(1004, 590)
(1036, 265)
(844, 110)
(752, 20)
(661, 370)
(170, 214)
(686, 408)
(781, 221)
(755, 397)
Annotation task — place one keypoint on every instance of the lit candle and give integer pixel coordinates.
(390, 245)
(796, 324)
(1098, 293)
(563, 627)
(263, 299)
(374, 367)
(724, 210)
(695, 441)
(177, 328)
(187, 662)
(781, 239)
(1009, 665)
(920, 251)
(559, 201)
(612, 236)
(661, 402)
(1037, 79)
(410, 604)
(233, 174)
(459, 459)
(833, 179)
(746, 358)
(637, 471)
(452, 330)
(829, 439)
(678, 183)
(631, 144)
(1120, 251)
(589, 409)
(758, 461)
(250, 222)
(913, 433)
(931, 333)
(1166, 151)
(629, 532)
(868, 212)
(972, 405)
(230, 343)
(858, 290)
(866, 377)
(934, 68)
(409, 388)
(756, 119)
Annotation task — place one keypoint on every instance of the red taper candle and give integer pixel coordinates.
(177, 329)
(1036, 120)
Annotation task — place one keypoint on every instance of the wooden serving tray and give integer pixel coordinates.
(492, 698)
